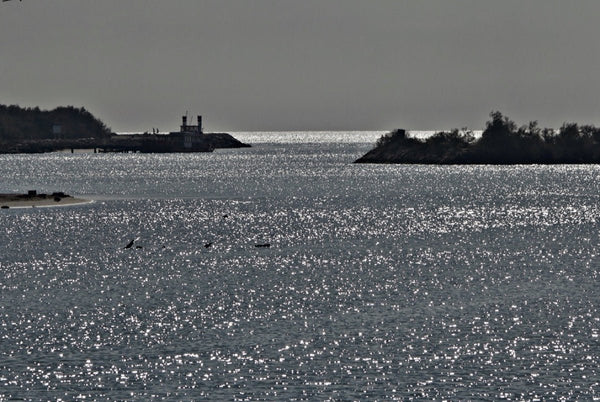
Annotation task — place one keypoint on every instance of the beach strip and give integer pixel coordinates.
(8, 201)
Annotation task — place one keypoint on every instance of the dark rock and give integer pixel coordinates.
(224, 140)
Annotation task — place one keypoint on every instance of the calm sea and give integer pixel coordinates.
(381, 282)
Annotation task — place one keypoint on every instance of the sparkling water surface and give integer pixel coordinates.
(381, 281)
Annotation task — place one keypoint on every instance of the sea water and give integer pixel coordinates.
(381, 281)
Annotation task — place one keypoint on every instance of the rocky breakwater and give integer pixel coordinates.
(49, 145)
(224, 140)
(145, 143)
(167, 143)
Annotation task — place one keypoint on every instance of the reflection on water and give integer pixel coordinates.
(381, 282)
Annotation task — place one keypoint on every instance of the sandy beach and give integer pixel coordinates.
(38, 200)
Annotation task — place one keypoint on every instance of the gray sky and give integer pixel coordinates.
(305, 64)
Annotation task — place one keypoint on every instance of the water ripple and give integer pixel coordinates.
(380, 282)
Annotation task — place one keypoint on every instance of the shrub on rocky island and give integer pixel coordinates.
(502, 142)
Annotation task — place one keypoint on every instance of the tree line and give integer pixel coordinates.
(502, 142)
(65, 122)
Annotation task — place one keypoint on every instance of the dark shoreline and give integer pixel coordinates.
(501, 143)
(31, 130)
(143, 143)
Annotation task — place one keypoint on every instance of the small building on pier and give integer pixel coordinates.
(190, 136)
(186, 128)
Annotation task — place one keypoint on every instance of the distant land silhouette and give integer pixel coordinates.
(502, 142)
(31, 130)
(65, 122)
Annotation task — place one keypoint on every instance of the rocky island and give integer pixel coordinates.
(502, 142)
(31, 130)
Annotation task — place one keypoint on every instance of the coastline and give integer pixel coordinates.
(501, 143)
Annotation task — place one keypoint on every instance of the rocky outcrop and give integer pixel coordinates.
(396, 147)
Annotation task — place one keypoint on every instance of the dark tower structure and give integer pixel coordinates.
(190, 129)
(184, 124)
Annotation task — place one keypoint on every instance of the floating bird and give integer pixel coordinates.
(265, 245)
(130, 244)
(207, 245)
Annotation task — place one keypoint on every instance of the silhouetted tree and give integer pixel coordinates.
(18, 123)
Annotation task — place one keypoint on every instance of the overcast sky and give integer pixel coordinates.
(250, 65)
